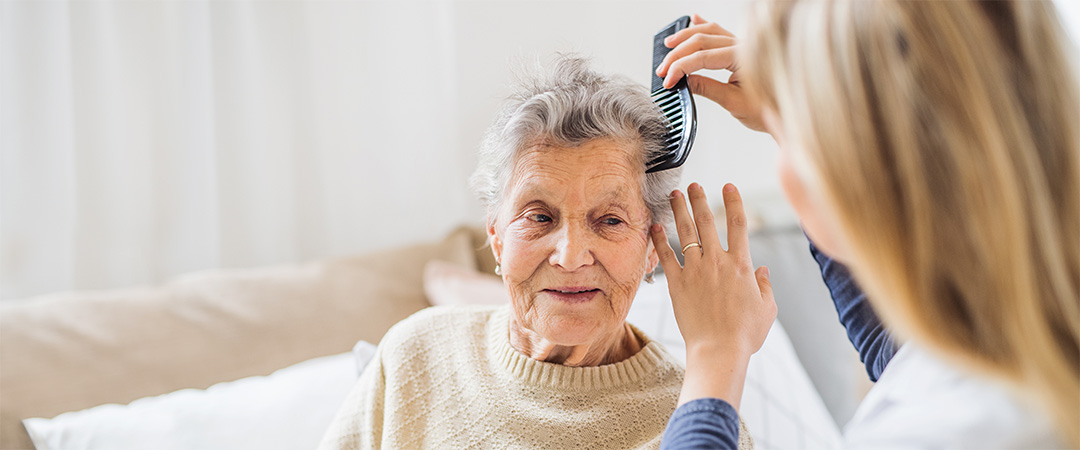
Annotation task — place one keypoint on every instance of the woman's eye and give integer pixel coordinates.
(540, 218)
(612, 221)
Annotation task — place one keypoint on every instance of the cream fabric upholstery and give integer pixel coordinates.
(71, 351)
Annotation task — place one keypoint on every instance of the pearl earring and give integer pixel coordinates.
(498, 268)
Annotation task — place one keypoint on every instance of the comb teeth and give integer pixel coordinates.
(668, 101)
(676, 104)
(677, 140)
(667, 104)
(673, 111)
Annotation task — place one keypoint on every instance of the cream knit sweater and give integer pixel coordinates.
(447, 377)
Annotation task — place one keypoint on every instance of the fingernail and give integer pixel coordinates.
(729, 188)
(658, 69)
(656, 228)
(766, 270)
(694, 186)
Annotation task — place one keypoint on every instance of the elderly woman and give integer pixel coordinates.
(569, 206)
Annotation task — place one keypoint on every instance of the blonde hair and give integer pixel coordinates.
(943, 138)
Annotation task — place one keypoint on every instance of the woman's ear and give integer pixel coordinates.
(494, 241)
(652, 258)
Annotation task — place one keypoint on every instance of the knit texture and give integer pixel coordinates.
(447, 377)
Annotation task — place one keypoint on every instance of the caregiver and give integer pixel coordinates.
(934, 149)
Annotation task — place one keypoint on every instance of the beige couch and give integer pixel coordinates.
(72, 351)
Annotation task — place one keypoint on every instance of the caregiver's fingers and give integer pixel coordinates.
(738, 241)
(700, 25)
(684, 225)
(703, 218)
(731, 97)
(696, 19)
(726, 95)
(716, 58)
(765, 285)
(668, 260)
(695, 43)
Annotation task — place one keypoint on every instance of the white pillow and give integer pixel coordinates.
(779, 405)
(289, 409)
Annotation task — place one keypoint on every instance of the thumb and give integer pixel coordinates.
(724, 94)
(764, 284)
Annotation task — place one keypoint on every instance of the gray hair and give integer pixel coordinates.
(567, 107)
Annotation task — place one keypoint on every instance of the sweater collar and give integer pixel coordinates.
(645, 364)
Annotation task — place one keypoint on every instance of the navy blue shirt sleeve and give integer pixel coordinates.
(864, 329)
(705, 423)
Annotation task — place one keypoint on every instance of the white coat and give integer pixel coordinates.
(920, 401)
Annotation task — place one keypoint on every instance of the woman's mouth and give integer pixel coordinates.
(573, 294)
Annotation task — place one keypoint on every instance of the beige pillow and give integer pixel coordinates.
(447, 283)
(75, 350)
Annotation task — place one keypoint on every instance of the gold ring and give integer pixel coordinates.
(692, 244)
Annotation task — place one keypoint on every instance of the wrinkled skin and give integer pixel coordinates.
(573, 220)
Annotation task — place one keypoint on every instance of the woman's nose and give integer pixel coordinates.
(572, 248)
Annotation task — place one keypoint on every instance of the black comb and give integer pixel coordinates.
(677, 105)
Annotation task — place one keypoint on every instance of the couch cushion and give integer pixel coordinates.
(70, 351)
(287, 410)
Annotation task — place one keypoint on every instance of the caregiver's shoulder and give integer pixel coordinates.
(925, 402)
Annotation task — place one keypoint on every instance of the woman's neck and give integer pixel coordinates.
(609, 349)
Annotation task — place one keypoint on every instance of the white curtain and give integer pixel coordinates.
(145, 139)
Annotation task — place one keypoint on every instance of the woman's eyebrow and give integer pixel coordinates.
(530, 193)
(533, 204)
(533, 189)
(615, 198)
(534, 194)
(613, 205)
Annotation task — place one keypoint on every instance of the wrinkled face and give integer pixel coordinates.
(572, 240)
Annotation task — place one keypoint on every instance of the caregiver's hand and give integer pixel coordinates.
(724, 307)
(706, 45)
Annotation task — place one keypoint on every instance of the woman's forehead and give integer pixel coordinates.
(602, 157)
(617, 194)
(601, 170)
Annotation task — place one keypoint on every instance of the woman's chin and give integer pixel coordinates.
(569, 328)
